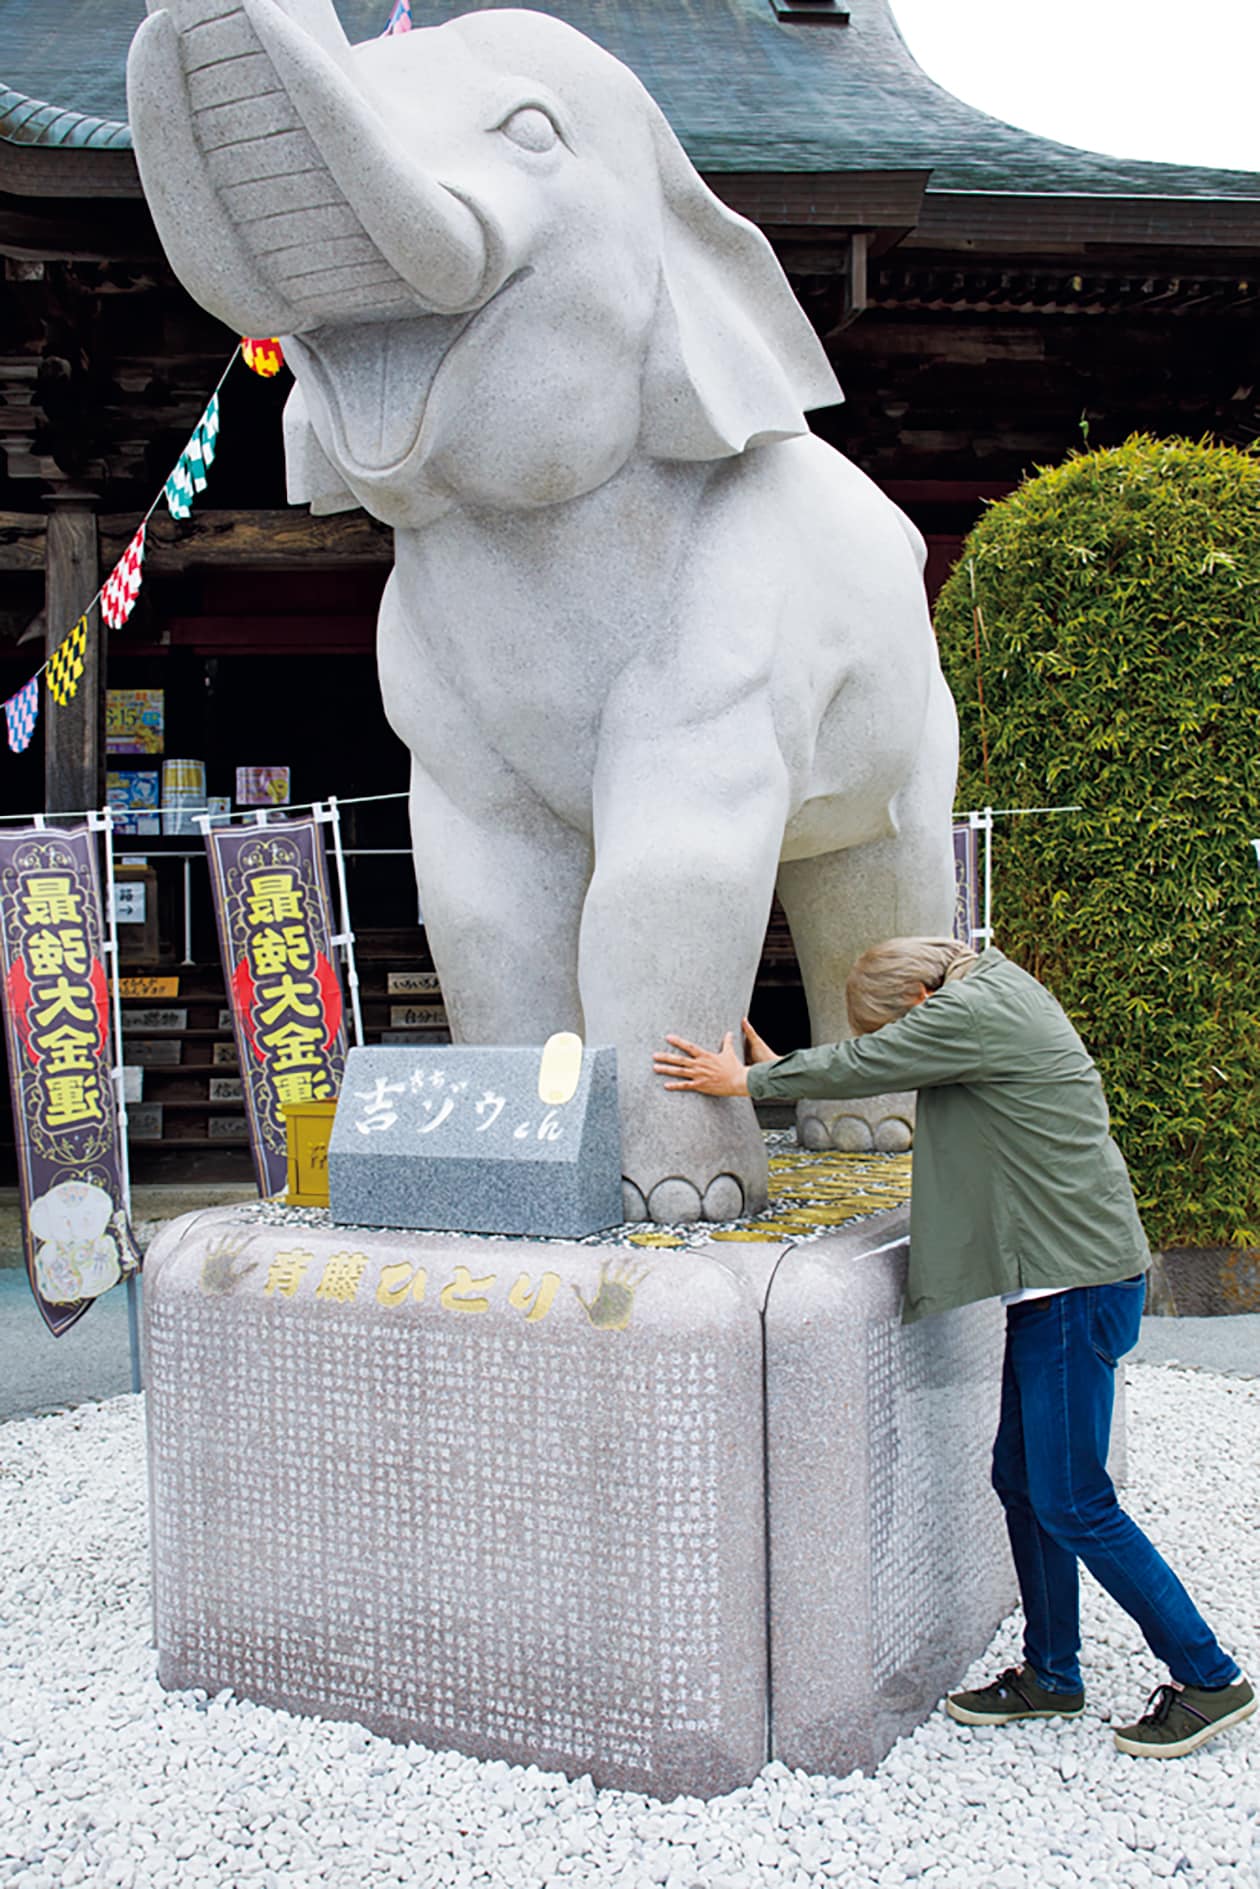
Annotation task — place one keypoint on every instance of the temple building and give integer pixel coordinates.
(990, 299)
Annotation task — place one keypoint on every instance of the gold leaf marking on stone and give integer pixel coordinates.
(748, 1233)
(560, 1070)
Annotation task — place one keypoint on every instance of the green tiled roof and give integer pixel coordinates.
(29, 121)
(744, 90)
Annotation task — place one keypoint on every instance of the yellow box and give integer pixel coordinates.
(308, 1126)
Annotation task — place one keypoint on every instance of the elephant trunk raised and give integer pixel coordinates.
(317, 214)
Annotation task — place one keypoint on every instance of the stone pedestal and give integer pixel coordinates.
(511, 1496)
(889, 1566)
(502, 1496)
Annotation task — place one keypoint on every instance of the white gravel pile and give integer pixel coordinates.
(106, 1780)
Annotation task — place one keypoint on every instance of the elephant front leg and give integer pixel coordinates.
(840, 904)
(501, 887)
(671, 939)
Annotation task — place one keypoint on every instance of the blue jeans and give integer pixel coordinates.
(1050, 1472)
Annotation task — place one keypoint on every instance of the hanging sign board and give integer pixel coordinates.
(65, 1117)
(271, 905)
(966, 886)
(148, 986)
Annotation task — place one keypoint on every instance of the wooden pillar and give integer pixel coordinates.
(74, 736)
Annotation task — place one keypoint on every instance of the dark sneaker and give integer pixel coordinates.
(1013, 1694)
(1179, 1719)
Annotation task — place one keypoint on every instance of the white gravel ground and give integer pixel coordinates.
(106, 1780)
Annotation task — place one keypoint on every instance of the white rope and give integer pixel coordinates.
(242, 813)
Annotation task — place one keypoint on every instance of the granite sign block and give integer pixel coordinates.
(889, 1565)
(496, 1496)
(476, 1140)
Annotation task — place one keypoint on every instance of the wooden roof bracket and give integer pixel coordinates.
(853, 293)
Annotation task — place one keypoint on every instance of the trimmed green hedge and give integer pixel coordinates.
(1116, 603)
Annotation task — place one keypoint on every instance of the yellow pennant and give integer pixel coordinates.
(66, 663)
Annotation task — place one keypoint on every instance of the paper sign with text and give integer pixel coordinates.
(270, 892)
(65, 1115)
(966, 887)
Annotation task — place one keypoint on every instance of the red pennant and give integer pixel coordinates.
(265, 357)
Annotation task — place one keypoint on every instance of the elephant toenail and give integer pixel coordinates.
(673, 1201)
(723, 1198)
(633, 1205)
(851, 1135)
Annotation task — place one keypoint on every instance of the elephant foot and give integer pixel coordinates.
(704, 1163)
(881, 1124)
(690, 1159)
(675, 1201)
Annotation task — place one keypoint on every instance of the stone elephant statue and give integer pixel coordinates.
(652, 646)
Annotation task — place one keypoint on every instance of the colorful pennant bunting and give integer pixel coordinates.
(264, 357)
(66, 663)
(21, 712)
(399, 19)
(122, 586)
(179, 488)
(118, 594)
(188, 476)
(209, 429)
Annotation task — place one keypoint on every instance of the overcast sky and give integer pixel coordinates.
(1173, 79)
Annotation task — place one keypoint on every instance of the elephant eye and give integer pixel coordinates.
(531, 128)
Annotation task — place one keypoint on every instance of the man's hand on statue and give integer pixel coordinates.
(704, 1071)
(759, 1051)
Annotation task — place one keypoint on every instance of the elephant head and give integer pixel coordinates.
(495, 271)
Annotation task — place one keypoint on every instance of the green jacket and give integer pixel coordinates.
(1017, 1181)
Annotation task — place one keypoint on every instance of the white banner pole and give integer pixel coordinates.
(988, 876)
(188, 950)
(104, 822)
(346, 937)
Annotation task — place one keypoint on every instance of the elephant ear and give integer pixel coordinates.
(733, 361)
(310, 475)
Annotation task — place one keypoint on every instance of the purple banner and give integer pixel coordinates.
(271, 904)
(966, 886)
(65, 1114)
